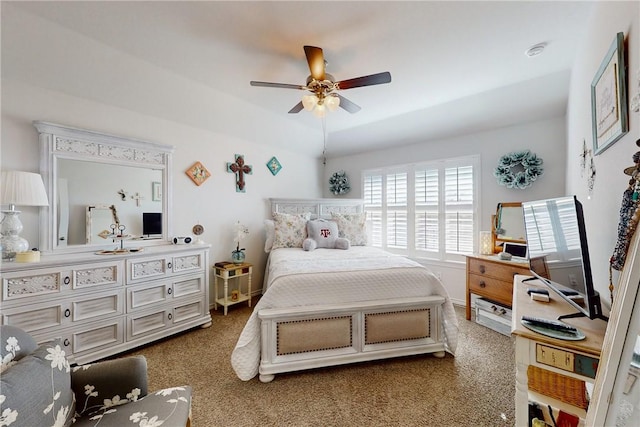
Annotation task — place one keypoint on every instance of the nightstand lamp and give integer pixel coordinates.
(22, 189)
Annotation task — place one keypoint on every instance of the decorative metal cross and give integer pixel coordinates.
(240, 169)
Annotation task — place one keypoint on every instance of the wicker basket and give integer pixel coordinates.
(558, 386)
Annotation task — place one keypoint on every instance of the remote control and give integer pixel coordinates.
(549, 324)
(569, 293)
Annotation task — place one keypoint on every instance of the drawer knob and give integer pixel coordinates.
(170, 316)
(482, 284)
(66, 342)
(67, 280)
(169, 265)
(170, 291)
(67, 313)
(503, 311)
(482, 269)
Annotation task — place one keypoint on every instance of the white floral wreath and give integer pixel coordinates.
(518, 169)
(339, 183)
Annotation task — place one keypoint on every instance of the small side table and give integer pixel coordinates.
(226, 271)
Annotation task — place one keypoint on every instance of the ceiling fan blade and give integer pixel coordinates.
(373, 79)
(348, 105)
(315, 59)
(278, 85)
(296, 108)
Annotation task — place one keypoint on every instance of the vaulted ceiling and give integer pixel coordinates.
(457, 66)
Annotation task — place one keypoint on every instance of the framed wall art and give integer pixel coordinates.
(156, 191)
(609, 98)
(198, 173)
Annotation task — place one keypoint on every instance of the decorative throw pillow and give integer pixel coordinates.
(290, 230)
(270, 231)
(310, 245)
(36, 390)
(352, 227)
(323, 232)
(14, 345)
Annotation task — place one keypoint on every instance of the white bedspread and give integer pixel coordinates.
(325, 276)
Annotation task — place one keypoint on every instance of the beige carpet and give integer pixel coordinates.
(475, 388)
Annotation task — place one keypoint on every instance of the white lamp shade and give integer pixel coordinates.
(22, 189)
(309, 101)
(320, 110)
(332, 102)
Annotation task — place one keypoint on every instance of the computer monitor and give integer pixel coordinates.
(151, 224)
(555, 233)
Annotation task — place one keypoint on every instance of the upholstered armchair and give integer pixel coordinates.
(38, 387)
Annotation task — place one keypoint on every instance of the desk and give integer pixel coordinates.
(561, 361)
(226, 271)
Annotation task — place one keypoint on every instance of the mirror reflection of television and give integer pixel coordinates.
(556, 235)
(152, 224)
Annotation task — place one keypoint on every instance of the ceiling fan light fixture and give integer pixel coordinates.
(309, 102)
(320, 111)
(332, 102)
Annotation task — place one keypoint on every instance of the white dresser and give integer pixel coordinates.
(100, 305)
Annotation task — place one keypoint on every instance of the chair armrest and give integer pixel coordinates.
(109, 383)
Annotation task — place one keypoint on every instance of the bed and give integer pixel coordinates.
(328, 307)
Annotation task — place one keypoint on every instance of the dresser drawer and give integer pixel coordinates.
(496, 270)
(493, 289)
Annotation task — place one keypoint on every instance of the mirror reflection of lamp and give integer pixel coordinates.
(18, 188)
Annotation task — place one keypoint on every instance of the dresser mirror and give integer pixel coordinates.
(86, 173)
(508, 224)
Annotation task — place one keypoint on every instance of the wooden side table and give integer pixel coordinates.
(550, 371)
(226, 271)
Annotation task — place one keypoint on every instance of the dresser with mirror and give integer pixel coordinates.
(101, 285)
(488, 275)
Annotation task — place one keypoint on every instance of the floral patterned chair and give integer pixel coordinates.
(39, 388)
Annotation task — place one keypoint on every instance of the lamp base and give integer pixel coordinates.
(10, 242)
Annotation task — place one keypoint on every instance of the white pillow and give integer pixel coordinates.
(270, 231)
(352, 227)
(290, 230)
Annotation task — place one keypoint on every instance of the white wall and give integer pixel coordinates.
(545, 138)
(602, 209)
(215, 204)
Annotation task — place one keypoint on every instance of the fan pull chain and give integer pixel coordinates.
(324, 140)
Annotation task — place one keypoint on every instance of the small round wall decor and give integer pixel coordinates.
(339, 183)
(518, 169)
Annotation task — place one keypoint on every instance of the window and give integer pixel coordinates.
(425, 210)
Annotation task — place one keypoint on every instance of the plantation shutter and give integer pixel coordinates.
(458, 209)
(427, 229)
(373, 207)
(396, 192)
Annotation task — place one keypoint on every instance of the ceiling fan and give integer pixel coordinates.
(323, 87)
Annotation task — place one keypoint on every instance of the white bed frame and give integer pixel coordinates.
(308, 337)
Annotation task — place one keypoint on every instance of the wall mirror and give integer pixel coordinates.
(86, 173)
(508, 225)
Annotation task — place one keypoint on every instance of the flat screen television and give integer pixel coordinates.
(151, 224)
(557, 240)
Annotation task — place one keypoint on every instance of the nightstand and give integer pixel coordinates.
(226, 271)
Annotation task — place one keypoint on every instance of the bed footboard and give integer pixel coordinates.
(313, 336)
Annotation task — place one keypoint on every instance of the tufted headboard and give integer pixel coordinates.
(319, 208)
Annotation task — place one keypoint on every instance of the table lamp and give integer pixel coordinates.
(18, 188)
(486, 245)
